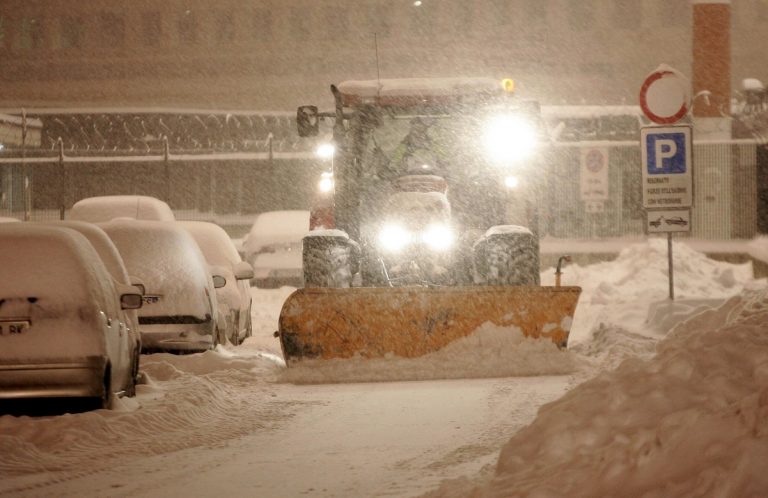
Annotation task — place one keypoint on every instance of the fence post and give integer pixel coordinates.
(166, 159)
(63, 191)
(25, 188)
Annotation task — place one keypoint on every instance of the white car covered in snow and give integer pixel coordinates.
(235, 297)
(273, 248)
(180, 311)
(63, 329)
(112, 260)
(108, 207)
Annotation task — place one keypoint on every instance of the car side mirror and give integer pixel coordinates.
(243, 271)
(308, 120)
(131, 301)
(219, 281)
(136, 282)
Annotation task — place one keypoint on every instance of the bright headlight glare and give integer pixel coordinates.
(511, 182)
(509, 138)
(325, 184)
(325, 150)
(438, 237)
(394, 238)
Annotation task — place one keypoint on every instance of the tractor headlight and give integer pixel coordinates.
(394, 238)
(326, 182)
(509, 138)
(438, 237)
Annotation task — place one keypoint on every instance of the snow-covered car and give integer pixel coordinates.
(180, 311)
(63, 328)
(108, 207)
(112, 260)
(235, 297)
(273, 248)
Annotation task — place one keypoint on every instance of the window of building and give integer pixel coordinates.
(112, 30)
(151, 28)
(71, 32)
(627, 14)
(225, 28)
(261, 24)
(581, 15)
(31, 33)
(188, 27)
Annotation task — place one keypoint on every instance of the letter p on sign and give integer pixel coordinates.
(665, 149)
(666, 153)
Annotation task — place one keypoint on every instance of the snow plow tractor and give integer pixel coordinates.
(431, 227)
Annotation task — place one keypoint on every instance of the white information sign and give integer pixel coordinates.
(671, 220)
(667, 166)
(593, 177)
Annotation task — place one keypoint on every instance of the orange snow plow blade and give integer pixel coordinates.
(412, 321)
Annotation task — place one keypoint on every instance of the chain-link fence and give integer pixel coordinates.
(227, 167)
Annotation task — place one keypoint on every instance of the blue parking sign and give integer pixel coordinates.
(666, 153)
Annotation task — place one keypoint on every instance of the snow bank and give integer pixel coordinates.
(613, 289)
(693, 421)
(189, 401)
(491, 351)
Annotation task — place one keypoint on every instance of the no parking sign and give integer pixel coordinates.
(593, 177)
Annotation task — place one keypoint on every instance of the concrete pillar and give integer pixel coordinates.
(712, 67)
(712, 163)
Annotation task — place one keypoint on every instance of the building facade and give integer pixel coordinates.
(276, 54)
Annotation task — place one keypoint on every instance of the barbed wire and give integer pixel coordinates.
(145, 132)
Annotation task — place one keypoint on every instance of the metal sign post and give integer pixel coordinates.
(667, 155)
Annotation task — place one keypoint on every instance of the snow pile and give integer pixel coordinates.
(491, 351)
(188, 401)
(691, 422)
(613, 289)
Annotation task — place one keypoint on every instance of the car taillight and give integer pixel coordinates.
(321, 217)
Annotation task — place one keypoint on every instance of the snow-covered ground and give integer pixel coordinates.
(689, 420)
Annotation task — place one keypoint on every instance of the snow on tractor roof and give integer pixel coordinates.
(409, 91)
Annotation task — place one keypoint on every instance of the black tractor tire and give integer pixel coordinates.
(329, 261)
(507, 257)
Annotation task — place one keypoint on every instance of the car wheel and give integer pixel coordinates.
(249, 324)
(131, 390)
(234, 327)
(107, 397)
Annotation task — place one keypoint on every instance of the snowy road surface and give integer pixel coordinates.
(226, 423)
(227, 431)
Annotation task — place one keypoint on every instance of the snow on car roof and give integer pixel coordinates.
(39, 261)
(108, 207)
(168, 261)
(216, 245)
(101, 242)
(277, 227)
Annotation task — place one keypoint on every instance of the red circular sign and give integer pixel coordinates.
(594, 160)
(657, 110)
